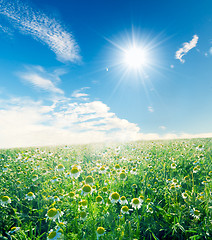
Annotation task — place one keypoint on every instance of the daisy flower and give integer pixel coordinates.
(86, 189)
(173, 165)
(134, 171)
(136, 203)
(125, 210)
(196, 169)
(184, 195)
(195, 213)
(53, 214)
(83, 215)
(60, 168)
(54, 179)
(75, 172)
(123, 200)
(34, 177)
(114, 197)
(89, 180)
(100, 232)
(83, 203)
(4, 200)
(14, 229)
(54, 235)
(99, 199)
(123, 176)
(30, 196)
(102, 170)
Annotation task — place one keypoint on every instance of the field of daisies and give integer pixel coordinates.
(139, 190)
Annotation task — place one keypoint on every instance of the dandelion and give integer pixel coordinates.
(100, 232)
(54, 214)
(30, 196)
(60, 168)
(4, 200)
(136, 203)
(125, 210)
(123, 200)
(195, 213)
(86, 189)
(14, 229)
(54, 235)
(114, 197)
(173, 165)
(89, 180)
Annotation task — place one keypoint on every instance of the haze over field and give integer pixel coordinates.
(75, 72)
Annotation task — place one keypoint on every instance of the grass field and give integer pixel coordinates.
(139, 190)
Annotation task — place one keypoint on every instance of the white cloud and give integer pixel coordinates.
(162, 127)
(187, 46)
(42, 28)
(80, 94)
(39, 78)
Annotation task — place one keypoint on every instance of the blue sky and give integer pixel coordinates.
(66, 77)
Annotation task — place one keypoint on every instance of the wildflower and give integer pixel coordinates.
(123, 200)
(54, 214)
(174, 181)
(5, 168)
(54, 179)
(134, 186)
(200, 147)
(114, 197)
(71, 194)
(173, 165)
(83, 215)
(14, 229)
(134, 171)
(125, 210)
(75, 172)
(149, 209)
(195, 213)
(4, 200)
(104, 189)
(68, 174)
(34, 177)
(60, 168)
(99, 199)
(89, 180)
(196, 169)
(100, 232)
(83, 203)
(184, 195)
(30, 196)
(86, 189)
(54, 235)
(55, 198)
(123, 176)
(136, 203)
(117, 167)
(102, 169)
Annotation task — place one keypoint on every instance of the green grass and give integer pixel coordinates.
(171, 179)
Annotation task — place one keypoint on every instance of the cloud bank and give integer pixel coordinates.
(42, 28)
(187, 46)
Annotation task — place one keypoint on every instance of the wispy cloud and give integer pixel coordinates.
(41, 79)
(150, 109)
(187, 46)
(42, 28)
(79, 93)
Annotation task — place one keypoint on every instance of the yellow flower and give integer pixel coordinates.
(125, 210)
(4, 200)
(136, 203)
(86, 189)
(114, 197)
(100, 232)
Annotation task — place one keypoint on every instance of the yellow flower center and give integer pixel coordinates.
(60, 166)
(135, 201)
(148, 200)
(5, 198)
(30, 194)
(71, 194)
(125, 209)
(104, 189)
(52, 235)
(122, 175)
(196, 212)
(117, 166)
(74, 170)
(89, 179)
(98, 199)
(52, 212)
(115, 196)
(102, 168)
(86, 188)
(100, 230)
(84, 203)
(54, 178)
(83, 214)
(13, 229)
(123, 198)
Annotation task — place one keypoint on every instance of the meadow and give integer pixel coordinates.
(131, 191)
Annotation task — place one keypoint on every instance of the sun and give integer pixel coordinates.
(135, 57)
